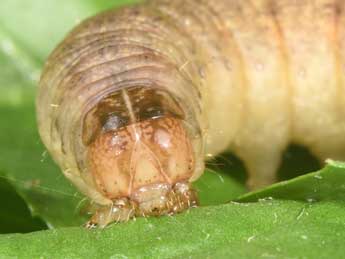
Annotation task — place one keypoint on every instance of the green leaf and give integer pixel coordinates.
(29, 169)
(222, 181)
(15, 215)
(38, 25)
(327, 184)
(267, 229)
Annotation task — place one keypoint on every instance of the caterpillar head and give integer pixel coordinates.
(140, 148)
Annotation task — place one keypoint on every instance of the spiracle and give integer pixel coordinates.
(133, 100)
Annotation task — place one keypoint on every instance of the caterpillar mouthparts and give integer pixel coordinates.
(152, 200)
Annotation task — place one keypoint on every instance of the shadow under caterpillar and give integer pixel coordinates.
(133, 100)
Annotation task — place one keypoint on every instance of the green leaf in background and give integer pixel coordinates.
(301, 217)
(29, 169)
(37, 26)
(327, 184)
(15, 216)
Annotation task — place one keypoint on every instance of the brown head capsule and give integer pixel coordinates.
(142, 155)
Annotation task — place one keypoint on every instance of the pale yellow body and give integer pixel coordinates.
(290, 56)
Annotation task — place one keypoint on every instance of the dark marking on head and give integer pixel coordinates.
(113, 112)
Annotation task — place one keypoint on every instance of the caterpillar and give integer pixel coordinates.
(134, 100)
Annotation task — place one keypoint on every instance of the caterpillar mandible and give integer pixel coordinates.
(133, 100)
